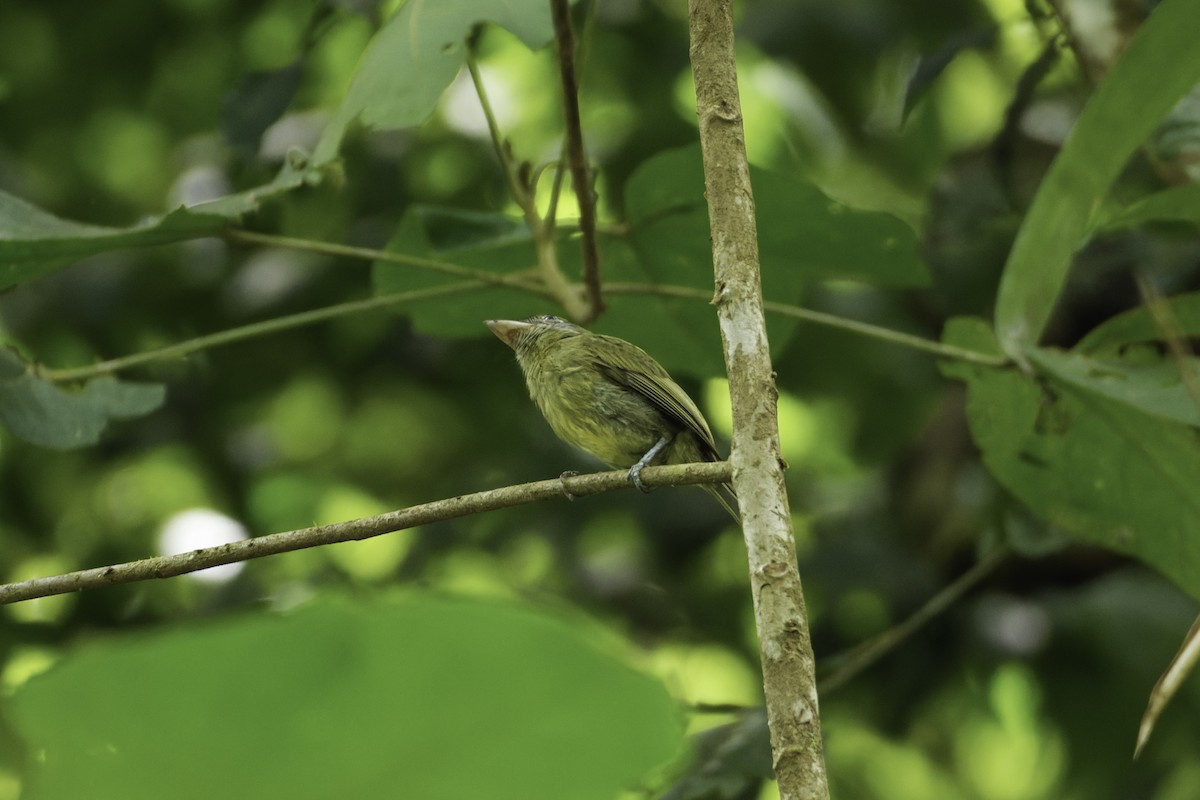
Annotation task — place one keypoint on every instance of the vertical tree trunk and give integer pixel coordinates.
(789, 679)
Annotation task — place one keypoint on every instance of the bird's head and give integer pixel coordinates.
(526, 336)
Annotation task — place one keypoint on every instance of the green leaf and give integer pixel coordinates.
(414, 57)
(1160, 66)
(1177, 204)
(1154, 388)
(34, 242)
(803, 235)
(1137, 325)
(38, 411)
(1097, 467)
(420, 697)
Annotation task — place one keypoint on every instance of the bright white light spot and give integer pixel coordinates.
(201, 527)
(461, 108)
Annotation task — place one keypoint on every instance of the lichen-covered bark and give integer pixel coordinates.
(789, 678)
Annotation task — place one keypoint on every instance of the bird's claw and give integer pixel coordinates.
(635, 477)
(562, 481)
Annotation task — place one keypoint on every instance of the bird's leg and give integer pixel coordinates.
(562, 481)
(635, 472)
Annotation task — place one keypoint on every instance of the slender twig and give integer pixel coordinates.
(821, 318)
(185, 348)
(1168, 684)
(853, 663)
(522, 193)
(581, 177)
(589, 21)
(517, 188)
(565, 487)
(189, 346)
(781, 619)
(372, 254)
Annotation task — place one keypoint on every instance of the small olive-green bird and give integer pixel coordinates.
(608, 397)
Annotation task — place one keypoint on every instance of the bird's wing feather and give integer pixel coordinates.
(657, 386)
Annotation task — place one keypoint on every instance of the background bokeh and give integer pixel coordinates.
(1029, 687)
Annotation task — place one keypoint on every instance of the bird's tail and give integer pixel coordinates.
(725, 496)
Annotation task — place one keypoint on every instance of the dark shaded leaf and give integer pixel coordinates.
(931, 65)
(732, 761)
(257, 103)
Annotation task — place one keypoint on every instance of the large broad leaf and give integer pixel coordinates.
(1161, 65)
(420, 698)
(40, 412)
(1098, 467)
(803, 236)
(415, 56)
(34, 242)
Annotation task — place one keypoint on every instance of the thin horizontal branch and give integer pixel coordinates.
(185, 348)
(371, 254)
(189, 346)
(365, 528)
(828, 320)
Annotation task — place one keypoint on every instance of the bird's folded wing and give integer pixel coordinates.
(667, 397)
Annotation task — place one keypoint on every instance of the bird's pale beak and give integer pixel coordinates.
(506, 330)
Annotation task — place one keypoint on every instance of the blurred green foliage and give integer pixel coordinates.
(876, 110)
